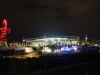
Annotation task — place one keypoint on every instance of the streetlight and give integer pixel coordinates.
(86, 38)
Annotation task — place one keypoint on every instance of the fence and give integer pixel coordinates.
(61, 68)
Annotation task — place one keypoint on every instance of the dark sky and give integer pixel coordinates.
(33, 18)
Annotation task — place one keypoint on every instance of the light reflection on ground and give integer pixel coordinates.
(29, 55)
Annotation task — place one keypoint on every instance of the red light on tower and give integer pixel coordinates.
(5, 22)
(5, 31)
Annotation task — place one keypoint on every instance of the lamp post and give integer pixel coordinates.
(86, 38)
(45, 41)
(23, 41)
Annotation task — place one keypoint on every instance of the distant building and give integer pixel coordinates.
(59, 40)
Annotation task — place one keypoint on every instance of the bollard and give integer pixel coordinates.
(64, 67)
(81, 63)
(73, 65)
(36, 72)
(51, 69)
(40, 71)
(70, 66)
(55, 69)
(67, 66)
(76, 65)
(71, 72)
(48, 70)
(44, 71)
(32, 73)
(88, 62)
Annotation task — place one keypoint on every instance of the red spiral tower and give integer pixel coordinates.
(4, 31)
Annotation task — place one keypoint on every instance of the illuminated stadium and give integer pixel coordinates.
(63, 40)
(61, 43)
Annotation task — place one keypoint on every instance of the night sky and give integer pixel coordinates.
(34, 18)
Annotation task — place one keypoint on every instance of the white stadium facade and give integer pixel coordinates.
(59, 40)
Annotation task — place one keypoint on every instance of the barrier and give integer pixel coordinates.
(61, 68)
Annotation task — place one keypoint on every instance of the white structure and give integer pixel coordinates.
(60, 40)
